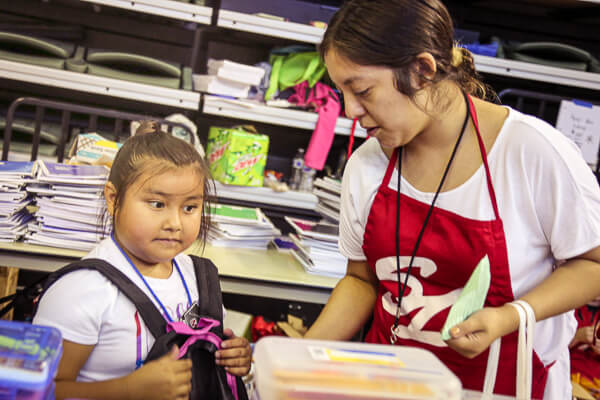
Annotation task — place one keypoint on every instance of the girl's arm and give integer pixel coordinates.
(570, 286)
(350, 305)
(163, 379)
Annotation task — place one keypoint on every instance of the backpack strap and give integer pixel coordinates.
(153, 319)
(210, 301)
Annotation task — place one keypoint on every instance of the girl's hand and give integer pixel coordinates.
(235, 354)
(474, 335)
(166, 378)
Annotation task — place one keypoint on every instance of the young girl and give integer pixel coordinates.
(446, 179)
(156, 192)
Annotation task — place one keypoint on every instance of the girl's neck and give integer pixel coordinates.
(161, 270)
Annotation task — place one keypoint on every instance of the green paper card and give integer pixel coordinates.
(472, 297)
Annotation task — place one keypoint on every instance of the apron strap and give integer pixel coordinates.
(484, 157)
(524, 355)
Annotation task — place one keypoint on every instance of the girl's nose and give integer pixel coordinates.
(173, 221)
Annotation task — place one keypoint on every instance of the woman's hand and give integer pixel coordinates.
(165, 378)
(584, 339)
(474, 335)
(235, 354)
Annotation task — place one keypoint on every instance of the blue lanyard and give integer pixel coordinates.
(148, 286)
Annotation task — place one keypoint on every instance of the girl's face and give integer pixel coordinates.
(160, 215)
(370, 95)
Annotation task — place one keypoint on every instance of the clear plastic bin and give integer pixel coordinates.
(289, 369)
(29, 356)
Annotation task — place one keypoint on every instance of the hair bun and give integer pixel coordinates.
(147, 127)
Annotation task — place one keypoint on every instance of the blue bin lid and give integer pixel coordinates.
(29, 355)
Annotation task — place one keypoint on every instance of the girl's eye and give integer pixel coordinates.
(189, 209)
(156, 204)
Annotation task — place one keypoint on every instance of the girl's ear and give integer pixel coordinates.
(110, 196)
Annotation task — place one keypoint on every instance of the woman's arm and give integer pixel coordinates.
(350, 305)
(164, 379)
(570, 286)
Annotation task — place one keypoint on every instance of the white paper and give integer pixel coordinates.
(582, 125)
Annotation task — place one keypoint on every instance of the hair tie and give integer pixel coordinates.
(457, 56)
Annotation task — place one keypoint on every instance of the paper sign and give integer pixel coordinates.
(581, 124)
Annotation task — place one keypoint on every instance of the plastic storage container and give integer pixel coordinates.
(29, 356)
(289, 369)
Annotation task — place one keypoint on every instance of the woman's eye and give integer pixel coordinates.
(156, 204)
(363, 93)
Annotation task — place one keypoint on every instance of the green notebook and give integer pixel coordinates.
(472, 297)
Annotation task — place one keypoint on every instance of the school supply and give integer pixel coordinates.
(93, 149)
(29, 356)
(245, 227)
(198, 342)
(317, 369)
(71, 213)
(471, 298)
(14, 216)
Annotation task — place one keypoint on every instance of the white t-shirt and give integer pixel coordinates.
(88, 309)
(548, 199)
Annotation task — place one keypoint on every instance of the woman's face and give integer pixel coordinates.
(371, 97)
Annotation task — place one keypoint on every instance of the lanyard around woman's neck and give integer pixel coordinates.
(402, 288)
(166, 314)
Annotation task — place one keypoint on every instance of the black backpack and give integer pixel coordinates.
(209, 380)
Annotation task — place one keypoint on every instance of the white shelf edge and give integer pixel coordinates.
(99, 85)
(164, 8)
(537, 72)
(251, 111)
(269, 27)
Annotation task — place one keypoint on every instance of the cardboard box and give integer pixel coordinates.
(91, 148)
(237, 155)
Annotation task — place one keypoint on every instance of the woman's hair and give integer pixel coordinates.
(152, 150)
(392, 33)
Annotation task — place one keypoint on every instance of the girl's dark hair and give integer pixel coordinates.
(392, 33)
(152, 149)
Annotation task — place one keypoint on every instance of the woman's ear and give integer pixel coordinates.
(424, 69)
(110, 196)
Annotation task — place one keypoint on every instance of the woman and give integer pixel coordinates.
(475, 178)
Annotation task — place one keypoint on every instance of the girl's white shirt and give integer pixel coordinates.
(88, 309)
(548, 199)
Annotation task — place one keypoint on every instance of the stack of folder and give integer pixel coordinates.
(316, 247)
(14, 200)
(71, 210)
(328, 191)
(243, 227)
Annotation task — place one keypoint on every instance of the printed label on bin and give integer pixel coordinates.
(355, 356)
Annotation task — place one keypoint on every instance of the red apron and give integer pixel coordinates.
(450, 249)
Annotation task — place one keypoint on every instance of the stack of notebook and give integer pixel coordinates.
(317, 247)
(245, 227)
(14, 215)
(228, 78)
(71, 211)
(328, 191)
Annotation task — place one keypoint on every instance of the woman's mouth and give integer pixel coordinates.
(372, 131)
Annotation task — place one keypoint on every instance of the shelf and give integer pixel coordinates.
(537, 72)
(164, 8)
(252, 111)
(269, 27)
(99, 85)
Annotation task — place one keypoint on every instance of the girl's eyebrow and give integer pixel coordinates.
(164, 194)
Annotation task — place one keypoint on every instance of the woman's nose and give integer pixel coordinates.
(353, 108)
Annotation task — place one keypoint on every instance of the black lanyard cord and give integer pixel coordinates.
(402, 288)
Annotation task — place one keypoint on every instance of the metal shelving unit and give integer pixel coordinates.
(164, 8)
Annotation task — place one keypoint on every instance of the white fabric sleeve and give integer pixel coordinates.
(351, 228)
(75, 305)
(566, 196)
